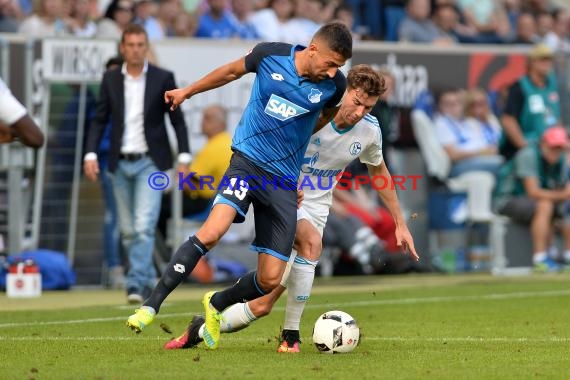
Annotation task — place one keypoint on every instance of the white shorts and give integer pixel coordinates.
(317, 215)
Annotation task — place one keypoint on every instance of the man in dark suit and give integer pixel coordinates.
(132, 97)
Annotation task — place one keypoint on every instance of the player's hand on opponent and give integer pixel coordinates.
(300, 197)
(175, 97)
(91, 169)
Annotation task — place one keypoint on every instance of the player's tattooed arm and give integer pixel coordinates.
(325, 117)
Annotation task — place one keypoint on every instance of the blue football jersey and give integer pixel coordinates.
(278, 121)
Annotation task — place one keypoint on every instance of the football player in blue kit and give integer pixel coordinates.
(295, 88)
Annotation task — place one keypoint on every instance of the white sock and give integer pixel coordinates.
(235, 318)
(299, 289)
(539, 257)
(150, 309)
(567, 256)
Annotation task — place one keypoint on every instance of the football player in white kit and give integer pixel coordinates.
(352, 134)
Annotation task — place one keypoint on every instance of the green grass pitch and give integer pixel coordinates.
(412, 327)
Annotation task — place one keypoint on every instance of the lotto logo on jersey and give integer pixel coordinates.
(282, 109)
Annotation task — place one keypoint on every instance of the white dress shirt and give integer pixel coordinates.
(134, 140)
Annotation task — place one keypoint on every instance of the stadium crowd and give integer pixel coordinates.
(294, 21)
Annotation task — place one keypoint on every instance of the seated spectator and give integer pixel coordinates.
(46, 21)
(471, 145)
(394, 13)
(167, 12)
(9, 16)
(533, 189)
(210, 163)
(544, 25)
(418, 27)
(145, 11)
(271, 23)
(343, 13)
(308, 19)
(243, 10)
(80, 23)
(488, 17)
(185, 24)
(118, 15)
(526, 30)
(558, 39)
(217, 22)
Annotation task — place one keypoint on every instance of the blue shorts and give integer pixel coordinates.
(274, 204)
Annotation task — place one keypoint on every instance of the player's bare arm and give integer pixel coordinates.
(28, 132)
(390, 199)
(217, 78)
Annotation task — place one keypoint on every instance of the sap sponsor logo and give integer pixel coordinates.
(303, 298)
(282, 109)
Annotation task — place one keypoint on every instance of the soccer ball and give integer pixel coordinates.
(336, 332)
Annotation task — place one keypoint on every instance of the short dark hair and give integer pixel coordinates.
(338, 38)
(133, 29)
(365, 78)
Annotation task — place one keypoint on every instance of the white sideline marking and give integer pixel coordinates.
(403, 301)
(467, 339)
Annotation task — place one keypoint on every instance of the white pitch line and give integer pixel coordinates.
(467, 339)
(403, 301)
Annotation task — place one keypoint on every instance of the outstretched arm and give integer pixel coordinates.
(390, 199)
(217, 78)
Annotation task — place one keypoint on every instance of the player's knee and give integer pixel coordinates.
(268, 281)
(260, 309)
(311, 247)
(209, 237)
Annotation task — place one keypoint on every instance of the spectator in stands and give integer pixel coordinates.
(217, 22)
(46, 21)
(533, 189)
(526, 30)
(118, 15)
(80, 24)
(307, 20)
(145, 16)
(243, 10)
(537, 6)
(364, 205)
(488, 17)
(167, 12)
(185, 24)
(418, 27)
(132, 98)
(347, 232)
(558, 39)
(271, 23)
(471, 145)
(532, 104)
(544, 25)
(368, 17)
(343, 13)
(8, 16)
(394, 13)
(15, 123)
(210, 163)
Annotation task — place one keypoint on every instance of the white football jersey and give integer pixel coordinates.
(330, 151)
